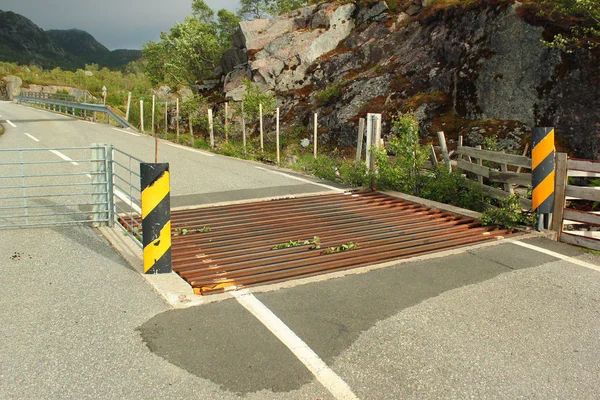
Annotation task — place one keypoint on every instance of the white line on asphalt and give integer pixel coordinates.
(127, 200)
(302, 179)
(11, 124)
(190, 149)
(557, 255)
(89, 122)
(119, 193)
(130, 133)
(61, 155)
(329, 379)
(31, 137)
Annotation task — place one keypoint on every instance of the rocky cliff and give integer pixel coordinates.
(470, 70)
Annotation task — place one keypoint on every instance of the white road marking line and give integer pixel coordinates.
(11, 124)
(302, 179)
(121, 130)
(190, 149)
(89, 122)
(556, 255)
(127, 200)
(119, 193)
(61, 155)
(325, 375)
(31, 137)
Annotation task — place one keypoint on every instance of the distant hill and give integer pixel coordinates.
(23, 42)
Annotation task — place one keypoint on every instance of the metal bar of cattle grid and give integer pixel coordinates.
(240, 247)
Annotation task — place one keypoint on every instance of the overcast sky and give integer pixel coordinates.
(117, 24)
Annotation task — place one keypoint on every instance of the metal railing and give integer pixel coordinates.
(127, 195)
(53, 186)
(51, 96)
(47, 99)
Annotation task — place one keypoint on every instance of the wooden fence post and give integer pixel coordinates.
(142, 115)
(559, 193)
(361, 136)
(226, 122)
(153, 109)
(177, 119)
(432, 156)
(479, 162)
(260, 119)
(243, 128)
(277, 134)
(315, 134)
(211, 128)
(128, 107)
(191, 132)
(444, 147)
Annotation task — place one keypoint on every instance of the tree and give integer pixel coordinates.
(191, 50)
(227, 24)
(255, 96)
(255, 9)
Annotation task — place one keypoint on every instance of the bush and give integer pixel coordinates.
(451, 188)
(329, 95)
(509, 215)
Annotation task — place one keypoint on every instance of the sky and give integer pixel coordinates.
(117, 24)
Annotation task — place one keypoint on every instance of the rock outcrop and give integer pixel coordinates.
(469, 70)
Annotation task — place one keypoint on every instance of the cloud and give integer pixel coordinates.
(117, 24)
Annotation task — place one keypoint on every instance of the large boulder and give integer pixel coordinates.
(279, 51)
(13, 85)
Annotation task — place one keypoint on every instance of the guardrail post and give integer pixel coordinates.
(156, 217)
(542, 174)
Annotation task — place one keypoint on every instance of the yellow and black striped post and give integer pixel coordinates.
(542, 170)
(156, 217)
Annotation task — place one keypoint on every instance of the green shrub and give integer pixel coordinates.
(509, 215)
(253, 97)
(451, 188)
(354, 174)
(324, 167)
(329, 94)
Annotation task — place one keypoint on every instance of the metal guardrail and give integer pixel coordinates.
(48, 98)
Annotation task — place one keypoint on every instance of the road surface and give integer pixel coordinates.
(512, 320)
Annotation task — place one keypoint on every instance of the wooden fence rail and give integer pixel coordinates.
(572, 216)
(471, 160)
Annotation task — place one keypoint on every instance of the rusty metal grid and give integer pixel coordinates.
(225, 248)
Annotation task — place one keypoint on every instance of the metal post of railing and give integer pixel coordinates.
(100, 185)
(110, 179)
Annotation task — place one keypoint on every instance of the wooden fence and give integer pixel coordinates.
(572, 196)
(501, 168)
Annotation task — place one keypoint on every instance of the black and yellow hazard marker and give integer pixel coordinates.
(156, 217)
(542, 170)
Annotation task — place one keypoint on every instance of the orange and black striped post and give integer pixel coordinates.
(156, 217)
(542, 171)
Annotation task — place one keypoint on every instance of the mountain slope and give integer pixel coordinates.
(23, 42)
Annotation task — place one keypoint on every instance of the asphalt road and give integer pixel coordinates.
(197, 177)
(498, 322)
